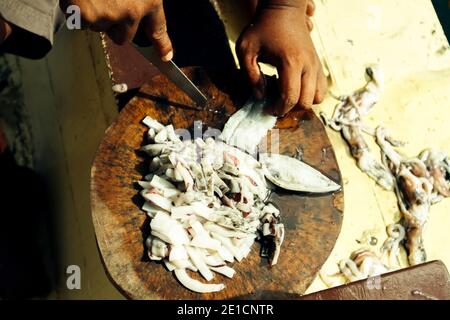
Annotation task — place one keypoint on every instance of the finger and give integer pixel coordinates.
(290, 86)
(124, 32)
(322, 87)
(308, 89)
(309, 24)
(310, 8)
(156, 30)
(249, 63)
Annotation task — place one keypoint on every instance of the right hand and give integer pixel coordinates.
(5, 30)
(120, 19)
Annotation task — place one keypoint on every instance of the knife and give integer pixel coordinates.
(174, 74)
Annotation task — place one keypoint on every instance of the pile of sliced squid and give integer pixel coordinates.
(208, 203)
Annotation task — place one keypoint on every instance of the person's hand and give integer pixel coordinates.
(279, 35)
(310, 10)
(120, 19)
(5, 30)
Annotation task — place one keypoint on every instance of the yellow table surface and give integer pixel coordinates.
(406, 39)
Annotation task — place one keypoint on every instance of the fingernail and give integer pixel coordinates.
(167, 57)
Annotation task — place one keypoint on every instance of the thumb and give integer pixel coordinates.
(249, 63)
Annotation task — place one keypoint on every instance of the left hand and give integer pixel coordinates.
(279, 35)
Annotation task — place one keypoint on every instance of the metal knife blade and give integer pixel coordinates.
(174, 74)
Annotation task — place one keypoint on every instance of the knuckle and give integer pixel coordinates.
(313, 63)
(306, 102)
(243, 42)
(89, 17)
(292, 61)
(159, 33)
(134, 14)
(288, 100)
(241, 50)
(245, 48)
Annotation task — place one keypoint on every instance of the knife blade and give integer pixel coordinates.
(174, 74)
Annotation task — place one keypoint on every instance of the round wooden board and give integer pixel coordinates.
(312, 222)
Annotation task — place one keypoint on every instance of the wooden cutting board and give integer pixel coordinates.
(312, 222)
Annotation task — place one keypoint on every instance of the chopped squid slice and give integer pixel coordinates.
(160, 235)
(155, 197)
(161, 183)
(266, 229)
(196, 285)
(145, 184)
(198, 260)
(169, 193)
(169, 265)
(172, 231)
(226, 242)
(152, 210)
(270, 208)
(187, 198)
(205, 242)
(224, 270)
(154, 149)
(198, 228)
(157, 249)
(178, 253)
(243, 252)
(152, 123)
(244, 242)
(151, 133)
(173, 175)
(225, 232)
(179, 264)
(202, 210)
(161, 136)
(225, 254)
(279, 238)
(172, 135)
(181, 212)
(214, 261)
(184, 173)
